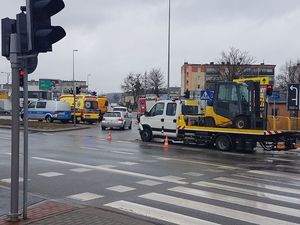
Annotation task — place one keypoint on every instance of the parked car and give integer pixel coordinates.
(117, 119)
(122, 109)
(48, 110)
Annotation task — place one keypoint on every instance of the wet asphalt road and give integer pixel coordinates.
(178, 183)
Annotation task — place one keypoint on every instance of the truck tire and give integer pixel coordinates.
(49, 119)
(241, 122)
(146, 135)
(223, 142)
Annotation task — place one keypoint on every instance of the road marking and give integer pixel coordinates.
(127, 142)
(259, 185)
(214, 170)
(148, 160)
(48, 134)
(172, 178)
(80, 170)
(149, 182)
(129, 163)
(86, 196)
(238, 201)
(50, 174)
(193, 174)
(91, 148)
(106, 166)
(159, 214)
(121, 188)
(249, 192)
(8, 180)
(125, 153)
(261, 172)
(267, 180)
(194, 162)
(128, 173)
(216, 210)
(281, 160)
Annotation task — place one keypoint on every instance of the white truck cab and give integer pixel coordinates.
(162, 118)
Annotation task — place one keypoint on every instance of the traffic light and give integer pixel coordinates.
(8, 26)
(187, 94)
(41, 33)
(21, 76)
(269, 90)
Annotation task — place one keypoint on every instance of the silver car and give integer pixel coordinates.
(116, 119)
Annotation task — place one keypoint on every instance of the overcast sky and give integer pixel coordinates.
(115, 37)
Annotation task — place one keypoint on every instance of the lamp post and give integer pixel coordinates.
(74, 89)
(87, 82)
(169, 37)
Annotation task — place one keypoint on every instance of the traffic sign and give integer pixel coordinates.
(206, 95)
(47, 84)
(293, 97)
(275, 95)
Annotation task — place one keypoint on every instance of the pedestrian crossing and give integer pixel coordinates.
(221, 200)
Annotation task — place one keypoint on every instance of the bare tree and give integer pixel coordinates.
(156, 80)
(132, 85)
(145, 83)
(289, 73)
(234, 62)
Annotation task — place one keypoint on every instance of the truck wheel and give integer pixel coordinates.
(223, 142)
(146, 135)
(241, 122)
(49, 119)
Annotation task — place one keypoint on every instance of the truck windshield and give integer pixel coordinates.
(91, 105)
(190, 110)
(244, 93)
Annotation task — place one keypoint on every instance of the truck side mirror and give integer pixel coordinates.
(146, 114)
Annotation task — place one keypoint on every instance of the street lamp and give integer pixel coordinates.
(87, 82)
(8, 75)
(169, 37)
(74, 89)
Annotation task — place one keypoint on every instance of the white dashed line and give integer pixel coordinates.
(50, 174)
(86, 196)
(111, 170)
(80, 170)
(149, 182)
(129, 163)
(120, 188)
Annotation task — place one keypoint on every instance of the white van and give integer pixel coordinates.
(48, 110)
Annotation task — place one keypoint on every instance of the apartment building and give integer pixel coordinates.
(196, 77)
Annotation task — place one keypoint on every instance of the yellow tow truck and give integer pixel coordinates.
(185, 122)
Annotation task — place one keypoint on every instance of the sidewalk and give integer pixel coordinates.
(50, 212)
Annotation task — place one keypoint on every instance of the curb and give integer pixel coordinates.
(48, 130)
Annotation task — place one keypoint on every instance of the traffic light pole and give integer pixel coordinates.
(25, 155)
(14, 197)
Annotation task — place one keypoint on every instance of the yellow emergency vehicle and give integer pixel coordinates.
(86, 107)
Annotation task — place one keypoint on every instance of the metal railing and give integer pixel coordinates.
(283, 123)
